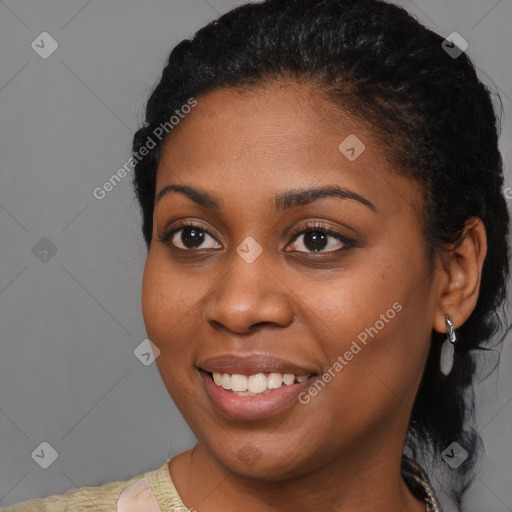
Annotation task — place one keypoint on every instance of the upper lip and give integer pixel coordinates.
(251, 364)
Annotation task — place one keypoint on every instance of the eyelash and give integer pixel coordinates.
(308, 226)
(314, 226)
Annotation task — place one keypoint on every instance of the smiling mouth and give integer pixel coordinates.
(254, 396)
(255, 384)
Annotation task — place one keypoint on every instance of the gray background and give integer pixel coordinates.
(69, 326)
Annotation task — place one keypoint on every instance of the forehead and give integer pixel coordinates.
(262, 139)
(277, 123)
(279, 115)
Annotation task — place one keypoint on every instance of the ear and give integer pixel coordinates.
(461, 275)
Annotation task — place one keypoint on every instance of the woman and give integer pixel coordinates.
(321, 190)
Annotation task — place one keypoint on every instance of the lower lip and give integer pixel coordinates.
(253, 407)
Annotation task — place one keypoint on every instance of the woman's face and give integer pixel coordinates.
(248, 290)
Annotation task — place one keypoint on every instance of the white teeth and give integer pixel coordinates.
(239, 382)
(288, 378)
(255, 384)
(226, 381)
(274, 380)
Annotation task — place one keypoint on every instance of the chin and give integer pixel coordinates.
(266, 464)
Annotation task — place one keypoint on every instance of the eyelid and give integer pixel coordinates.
(316, 225)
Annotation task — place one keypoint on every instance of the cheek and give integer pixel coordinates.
(161, 296)
(172, 301)
(153, 301)
(344, 308)
(376, 317)
(165, 308)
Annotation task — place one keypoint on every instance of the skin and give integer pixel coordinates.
(342, 450)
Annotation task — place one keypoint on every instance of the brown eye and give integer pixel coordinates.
(318, 238)
(190, 237)
(317, 241)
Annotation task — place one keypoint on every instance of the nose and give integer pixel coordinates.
(249, 295)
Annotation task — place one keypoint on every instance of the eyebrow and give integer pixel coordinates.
(282, 201)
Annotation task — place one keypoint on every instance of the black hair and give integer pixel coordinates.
(438, 124)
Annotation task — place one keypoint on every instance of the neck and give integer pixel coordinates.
(361, 482)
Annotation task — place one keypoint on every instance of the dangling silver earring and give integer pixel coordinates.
(447, 350)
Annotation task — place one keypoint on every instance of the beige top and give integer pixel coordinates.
(154, 491)
(114, 496)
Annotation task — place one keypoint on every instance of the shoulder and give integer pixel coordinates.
(82, 499)
(145, 491)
